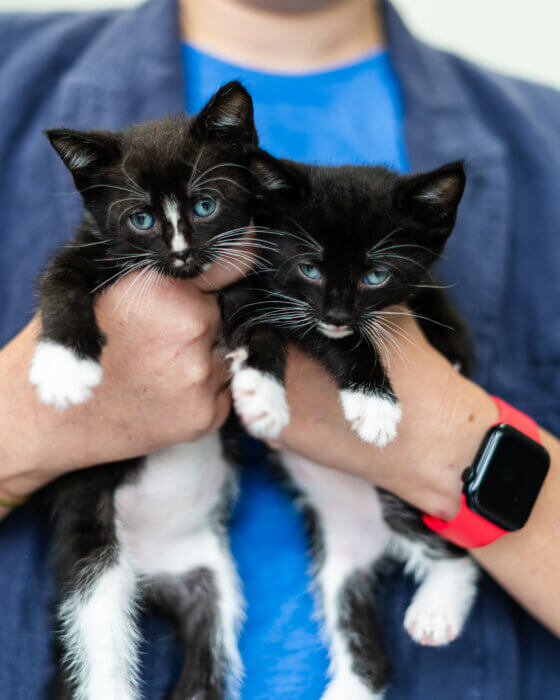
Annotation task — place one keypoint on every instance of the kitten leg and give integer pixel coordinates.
(170, 521)
(205, 605)
(97, 618)
(367, 397)
(65, 367)
(443, 600)
(348, 538)
(257, 383)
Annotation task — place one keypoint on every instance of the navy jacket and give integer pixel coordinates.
(107, 69)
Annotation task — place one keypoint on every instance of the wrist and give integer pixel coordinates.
(467, 414)
(21, 427)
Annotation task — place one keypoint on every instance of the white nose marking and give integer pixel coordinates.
(172, 214)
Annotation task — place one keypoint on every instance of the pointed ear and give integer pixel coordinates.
(82, 150)
(432, 198)
(280, 179)
(227, 116)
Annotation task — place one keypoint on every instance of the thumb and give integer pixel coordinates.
(230, 267)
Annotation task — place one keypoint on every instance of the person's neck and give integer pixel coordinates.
(277, 40)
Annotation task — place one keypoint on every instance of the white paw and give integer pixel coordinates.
(442, 603)
(372, 416)
(259, 399)
(62, 378)
(347, 686)
(431, 625)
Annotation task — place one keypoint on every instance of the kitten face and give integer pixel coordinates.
(168, 193)
(357, 239)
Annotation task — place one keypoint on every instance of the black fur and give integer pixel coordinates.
(118, 175)
(346, 222)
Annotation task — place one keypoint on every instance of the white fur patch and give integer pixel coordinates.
(173, 214)
(443, 601)
(349, 686)
(348, 508)
(61, 377)
(167, 524)
(101, 636)
(259, 398)
(372, 416)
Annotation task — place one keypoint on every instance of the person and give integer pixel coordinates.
(334, 81)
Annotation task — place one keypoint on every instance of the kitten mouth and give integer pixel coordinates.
(332, 331)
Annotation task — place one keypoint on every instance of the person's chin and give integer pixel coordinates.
(289, 6)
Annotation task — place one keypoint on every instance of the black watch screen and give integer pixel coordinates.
(506, 477)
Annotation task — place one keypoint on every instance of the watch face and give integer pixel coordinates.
(507, 476)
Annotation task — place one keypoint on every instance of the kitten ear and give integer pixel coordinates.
(273, 176)
(228, 115)
(82, 150)
(432, 198)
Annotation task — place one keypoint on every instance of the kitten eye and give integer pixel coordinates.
(374, 278)
(143, 221)
(204, 207)
(312, 272)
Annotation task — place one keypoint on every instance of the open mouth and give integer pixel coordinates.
(332, 331)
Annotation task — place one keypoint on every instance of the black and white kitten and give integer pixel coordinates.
(352, 243)
(170, 196)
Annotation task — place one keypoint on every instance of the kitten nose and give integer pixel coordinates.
(337, 317)
(181, 255)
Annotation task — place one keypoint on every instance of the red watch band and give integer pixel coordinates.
(468, 529)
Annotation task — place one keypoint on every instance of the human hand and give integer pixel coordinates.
(164, 382)
(445, 417)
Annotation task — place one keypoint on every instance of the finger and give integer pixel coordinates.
(223, 407)
(220, 375)
(229, 269)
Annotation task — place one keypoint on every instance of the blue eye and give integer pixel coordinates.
(376, 277)
(204, 207)
(312, 272)
(143, 221)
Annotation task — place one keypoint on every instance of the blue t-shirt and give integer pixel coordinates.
(349, 114)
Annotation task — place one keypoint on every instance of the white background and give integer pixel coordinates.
(515, 36)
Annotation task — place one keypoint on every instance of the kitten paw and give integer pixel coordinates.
(346, 686)
(259, 399)
(373, 416)
(431, 626)
(61, 377)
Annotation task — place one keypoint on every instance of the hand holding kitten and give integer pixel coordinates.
(165, 383)
(444, 417)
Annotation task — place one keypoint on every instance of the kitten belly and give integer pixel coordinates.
(349, 508)
(174, 501)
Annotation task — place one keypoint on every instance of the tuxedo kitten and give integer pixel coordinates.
(354, 246)
(167, 198)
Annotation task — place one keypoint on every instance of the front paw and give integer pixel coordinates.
(373, 416)
(61, 377)
(259, 398)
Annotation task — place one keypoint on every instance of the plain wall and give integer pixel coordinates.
(514, 36)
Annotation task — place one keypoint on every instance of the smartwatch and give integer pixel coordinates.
(501, 486)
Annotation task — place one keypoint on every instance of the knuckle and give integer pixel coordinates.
(206, 415)
(200, 370)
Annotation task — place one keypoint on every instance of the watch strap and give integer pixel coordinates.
(468, 529)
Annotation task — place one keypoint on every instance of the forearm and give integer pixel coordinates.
(527, 562)
(445, 418)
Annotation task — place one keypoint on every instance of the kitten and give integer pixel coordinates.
(170, 196)
(351, 242)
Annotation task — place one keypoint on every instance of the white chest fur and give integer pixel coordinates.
(174, 497)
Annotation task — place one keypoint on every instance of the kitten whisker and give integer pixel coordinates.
(87, 245)
(215, 167)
